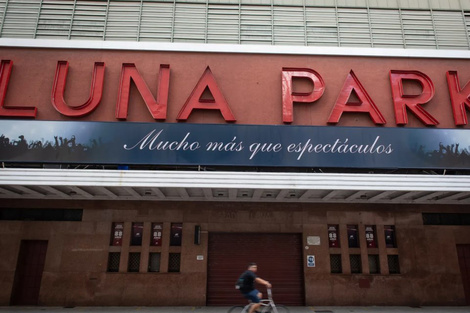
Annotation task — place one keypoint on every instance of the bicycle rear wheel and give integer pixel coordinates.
(278, 309)
(236, 309)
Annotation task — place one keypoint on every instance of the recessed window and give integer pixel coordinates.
(374, 264)
(134, 262)
(446, 218)
(50, 215)
(356, 265)
(390, 241)
(393, 264)
(174, 261)
(335, 264)
(113, 261)
(154, 262)
(137, 230)
(176, 234)
(353, 236)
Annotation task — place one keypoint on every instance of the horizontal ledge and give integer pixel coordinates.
(233, 48)
(236, 180)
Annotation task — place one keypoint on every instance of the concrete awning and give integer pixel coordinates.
(86, 184)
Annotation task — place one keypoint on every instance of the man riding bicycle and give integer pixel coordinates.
(246, 284)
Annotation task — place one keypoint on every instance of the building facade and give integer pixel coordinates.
(152, 149)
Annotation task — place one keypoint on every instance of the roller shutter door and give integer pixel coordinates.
(279, 259)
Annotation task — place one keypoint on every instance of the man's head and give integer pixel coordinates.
(252, 267)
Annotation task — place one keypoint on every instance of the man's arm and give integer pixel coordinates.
(263, 282)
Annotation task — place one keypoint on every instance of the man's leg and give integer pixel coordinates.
(255, 297)
(254, 307)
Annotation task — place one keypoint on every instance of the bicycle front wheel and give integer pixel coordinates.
(236, 309)
(276, 309)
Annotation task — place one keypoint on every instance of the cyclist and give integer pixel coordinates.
(246, 284)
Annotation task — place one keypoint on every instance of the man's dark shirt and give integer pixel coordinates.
(248, 281)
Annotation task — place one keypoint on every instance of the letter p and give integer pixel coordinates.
(289, 96)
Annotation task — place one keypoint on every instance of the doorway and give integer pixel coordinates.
(279, 259)
(463, 252)
(28, 275)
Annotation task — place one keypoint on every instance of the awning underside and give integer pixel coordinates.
(82, 184)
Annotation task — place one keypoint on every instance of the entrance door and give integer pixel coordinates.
(463, 252)
(28, 274)
(279, 259)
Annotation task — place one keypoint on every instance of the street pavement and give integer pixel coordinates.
(307, 309)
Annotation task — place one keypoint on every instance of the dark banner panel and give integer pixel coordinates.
(233, 145)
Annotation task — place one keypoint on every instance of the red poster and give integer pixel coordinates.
(117, 231)
(370, 237)
(333, 236)
(156, 234)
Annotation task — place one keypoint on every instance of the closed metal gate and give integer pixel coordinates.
(30, 266)
(279, 259)
(464, 262)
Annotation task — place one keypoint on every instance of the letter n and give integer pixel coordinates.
(157, 107)
(96, 91)
(5, 72)
(366, 105)
(207, 81)
(459, 98)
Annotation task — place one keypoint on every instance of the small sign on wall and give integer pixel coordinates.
(313, 240)
(310, 261)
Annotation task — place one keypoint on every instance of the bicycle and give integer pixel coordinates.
(267, 306)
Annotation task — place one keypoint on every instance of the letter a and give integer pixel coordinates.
(194, 101)
(366, 105)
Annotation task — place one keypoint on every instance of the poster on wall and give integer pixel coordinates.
(176, 234)
(136, 236)
(157, 229)
(390, 241)
(128, 143)
(116, 234)
(333, 236)
(371, 238)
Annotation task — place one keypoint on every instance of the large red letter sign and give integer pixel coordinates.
(194, 101)
(459, 98)
(156, 107)
(96, 90)
(366, 105)
(412, 102)
(289, 96)
(5, 72)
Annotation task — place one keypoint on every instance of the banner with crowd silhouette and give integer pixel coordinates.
(126, 143)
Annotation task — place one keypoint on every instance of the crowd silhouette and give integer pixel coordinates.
(62, 148)
(446, 154)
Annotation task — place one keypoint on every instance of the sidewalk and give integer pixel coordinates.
(365, 309)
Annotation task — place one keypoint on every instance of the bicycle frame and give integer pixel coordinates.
(270, 301)
(265, 303)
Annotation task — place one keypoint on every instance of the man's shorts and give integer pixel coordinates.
(253, 296)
